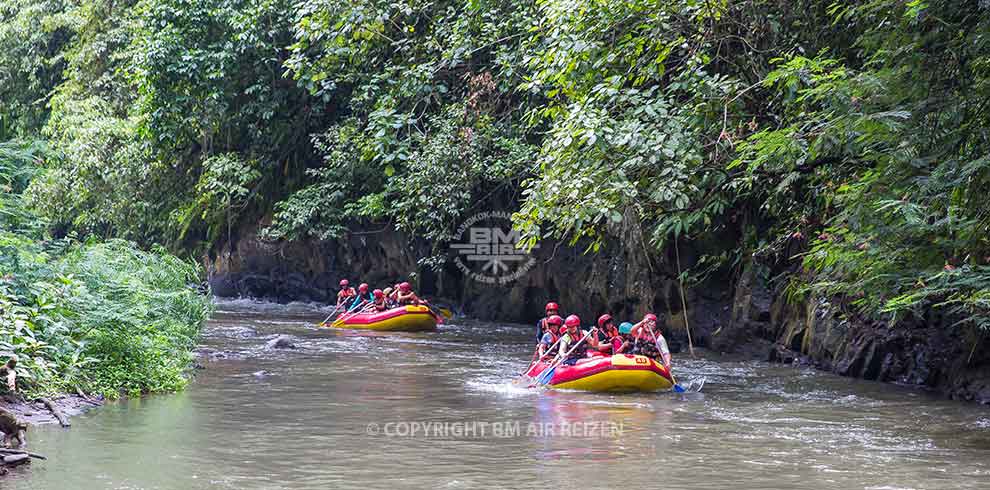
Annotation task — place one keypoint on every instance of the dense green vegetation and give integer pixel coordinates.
(98, 317)
(844, 142)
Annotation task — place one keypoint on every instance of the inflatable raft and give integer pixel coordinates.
(410, 318)
(618, 373)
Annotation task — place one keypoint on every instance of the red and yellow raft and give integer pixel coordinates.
(618, 373)
(409, 318)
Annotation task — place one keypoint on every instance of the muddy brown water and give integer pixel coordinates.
(438, 410)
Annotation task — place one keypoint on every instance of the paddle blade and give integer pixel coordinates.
(693, 387)
(546, 376)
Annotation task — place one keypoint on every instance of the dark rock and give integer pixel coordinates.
(210, 354)
(750, 311)
(780, 354)
(281, 342)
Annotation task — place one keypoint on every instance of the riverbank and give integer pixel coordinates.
(36, 412)
(56, 410)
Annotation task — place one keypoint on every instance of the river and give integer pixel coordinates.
(349, 409)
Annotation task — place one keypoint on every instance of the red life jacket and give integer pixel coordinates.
(579, 349)
(614, 338)
(542, 327)
(616, 344)
(380, 305)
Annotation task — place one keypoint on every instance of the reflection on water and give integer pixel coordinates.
(337, 413)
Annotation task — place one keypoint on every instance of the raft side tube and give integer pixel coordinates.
(617, 373)
(408, 318)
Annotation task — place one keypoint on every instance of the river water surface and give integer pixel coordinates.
(340, 411)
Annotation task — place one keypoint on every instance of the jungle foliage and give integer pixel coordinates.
(102, 317)
(844, 142)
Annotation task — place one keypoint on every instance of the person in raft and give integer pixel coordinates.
(541, 326)
(550, 335)
(361, 299)
(379, 300)
(625, 333)
(610, 341)
(389, 297)
(406, 296)
(649, 340)
(346, 292)
(574, 342)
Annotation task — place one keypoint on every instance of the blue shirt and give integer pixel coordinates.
(357, 301)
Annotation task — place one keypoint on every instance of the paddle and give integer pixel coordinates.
(538, 342)
(547, 373)
(359, 308)
(656, 342)
(436, 311)
(532, 362)
(347, 316)
(443, 312)
(536, 353)
(677, 387)
(332, 313)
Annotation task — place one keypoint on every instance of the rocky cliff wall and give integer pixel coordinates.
(933, 353)
(623, 280)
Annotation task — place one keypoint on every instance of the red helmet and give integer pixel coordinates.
(378, 293)
(344, 283)
(555, 320)
(602, 320)
(363, 287)
(552, 306)
(572, 321)
(405, 286)
(563, 330)
(650, 317)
